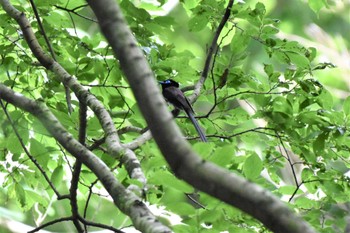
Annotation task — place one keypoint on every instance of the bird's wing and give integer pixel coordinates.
(177, 98)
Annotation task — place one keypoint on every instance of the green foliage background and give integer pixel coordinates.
(275, 101)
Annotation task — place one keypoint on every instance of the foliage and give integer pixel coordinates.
(269, 120)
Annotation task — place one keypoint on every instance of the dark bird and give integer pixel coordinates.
(175, 96)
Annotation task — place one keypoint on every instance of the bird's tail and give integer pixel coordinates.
(196, 126)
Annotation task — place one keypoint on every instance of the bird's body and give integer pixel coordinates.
(175, 96)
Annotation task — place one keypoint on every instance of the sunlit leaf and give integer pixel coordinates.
(252, 166)
(346, 106)
(57, 176)
(21, 195)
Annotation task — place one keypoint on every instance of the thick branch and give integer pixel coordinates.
(126, 200)
(115, 149)
(186, 164)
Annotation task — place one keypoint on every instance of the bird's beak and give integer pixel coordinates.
(160, 82)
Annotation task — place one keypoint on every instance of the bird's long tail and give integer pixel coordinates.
(196, 126)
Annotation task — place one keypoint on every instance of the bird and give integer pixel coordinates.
(176, 97)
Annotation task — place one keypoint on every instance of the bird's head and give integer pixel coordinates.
(169, 83)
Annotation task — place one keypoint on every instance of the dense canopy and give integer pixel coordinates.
(87, 142)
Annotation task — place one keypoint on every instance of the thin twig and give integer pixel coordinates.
(211, 50)
(103, 226)
(89, 197)
(50, 223)
(288, 159)
(52, 52)
(43, 30)
(73, 11)
(77, 169)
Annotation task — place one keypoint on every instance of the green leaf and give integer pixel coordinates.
(13, 145)
(57, 176)
(319, 144)
(339, 166)
(268, 68)
(189, 4)
(298, 59)
(281, 104)
(223, 155)
(138, 13)
(181, 208)
(306, 203)
(252, 167)
(165, 178)
(35, 197)
(197, 23)
(317, 5)
(173, 197)
(57, 18)
(346, 106)
(333, 190)
(39, 151)
(289, 190)
(311, 53)
(20, 195)
(239, 42)
(259, 10)
(311, 118)
(268, 31)
(325, 99)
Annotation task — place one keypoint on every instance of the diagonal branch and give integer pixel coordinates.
(185, 163)
(63, 219)
(211, 51)
(114, 147)
(125, 200)
(47, 41)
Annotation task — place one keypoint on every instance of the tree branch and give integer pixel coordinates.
(50, 223)
(125, 200)
(74, 11)
(211, 51)
(41, 27)
(77, 169)
(103, 226)
(114, 147)
(185, 163)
